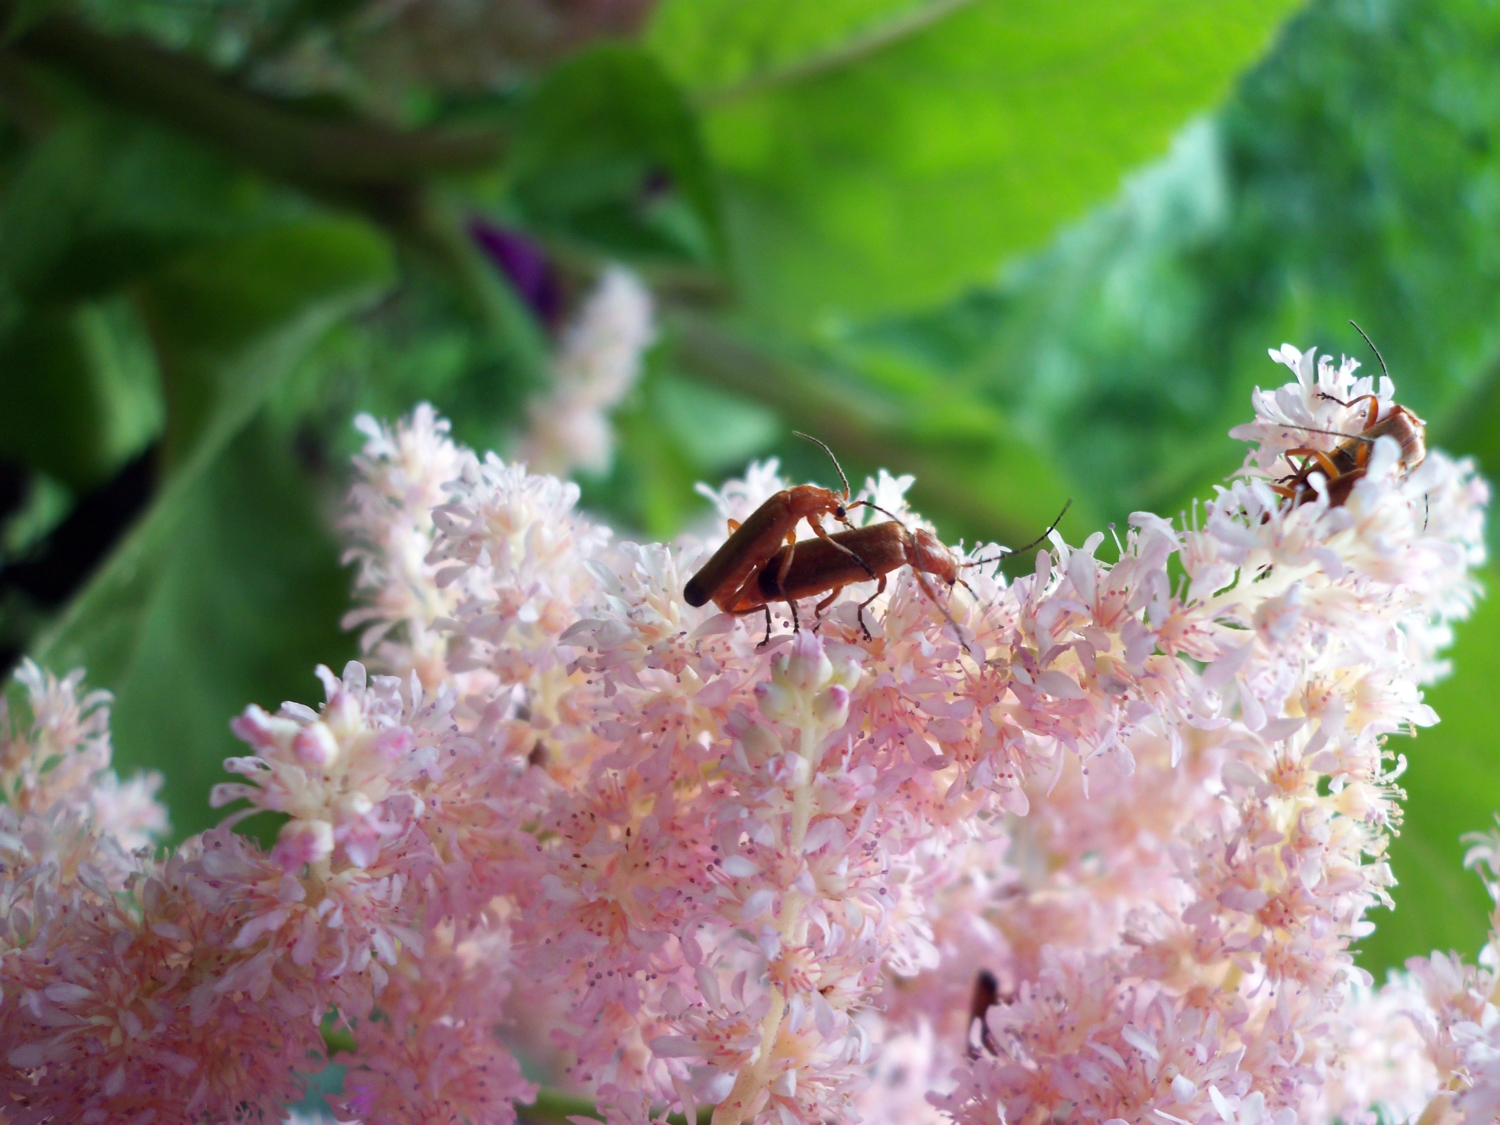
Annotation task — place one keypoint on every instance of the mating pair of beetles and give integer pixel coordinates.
(762, 561)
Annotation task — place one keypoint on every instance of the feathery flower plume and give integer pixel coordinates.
(597, 364)
(1144, 787)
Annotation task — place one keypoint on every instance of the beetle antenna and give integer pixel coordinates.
(1330, 433)
(831, 457)
(1374, 349)
(871, 504)
(1037, 542)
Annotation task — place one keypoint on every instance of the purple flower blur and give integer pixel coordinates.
(525, 264)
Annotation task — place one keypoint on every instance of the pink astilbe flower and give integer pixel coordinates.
(430, 1054)
(1454, 1010)
(63, 806)
(597, 364)
(1315, 626)
(399, 480)
(61, 759)
(1144, 785)
(132, 988)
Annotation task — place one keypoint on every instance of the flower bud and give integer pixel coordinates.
(831, 707)
(302, 841)
(807, 669)
(777, 702)
(712, 1085)
(760, 744)
(847, 672)
(394, 743)
(342, 714)
(788, 771)
(260, 730)
(1278, 618)
(355, 806)
(315, 746)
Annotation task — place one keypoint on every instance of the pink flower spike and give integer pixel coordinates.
(1101, 854)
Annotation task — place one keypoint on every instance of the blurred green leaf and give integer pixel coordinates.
(46, 505)
(418, 344)
(651, 487)
(608, 153)
(231, 320)
(105, 198)
(718, 431)
(896, 176)
(229, 324)
(1453, 786)
(1354, 174)
(672, 433)
(979, 474)
(245, 602)
(718, 47)
(79, 395)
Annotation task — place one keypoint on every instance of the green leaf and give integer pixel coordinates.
(1129, 347)
(231, 320)
(1453, 786)
(979, 472)
(719, 432)
(717, 49)
(608, 154)
(244, 603)
(228, 325)
(104, 198)
(79, 395)
(896, 176)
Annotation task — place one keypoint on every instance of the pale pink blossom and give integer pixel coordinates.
(598, 362)
(400, 475)
(1144, 786)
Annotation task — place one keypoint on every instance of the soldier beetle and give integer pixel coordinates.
(847, 557)
(1348, 462)
(771, 531)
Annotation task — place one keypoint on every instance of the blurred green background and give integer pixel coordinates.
(1023, 249)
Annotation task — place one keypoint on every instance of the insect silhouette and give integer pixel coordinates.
(771, 531)
(1349, 461)
(985, 996)
(848, 557)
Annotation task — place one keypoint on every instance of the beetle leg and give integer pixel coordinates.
(825, 603)
(764, 607)
(817, 525)
(879, 589)
(1373, 400)
(1330, 470)
(783, 571)
(1372, 415)
(942, 606)
(734, 525)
